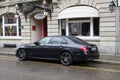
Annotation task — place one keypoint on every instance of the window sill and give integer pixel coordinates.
(10, 37)
(88, 38)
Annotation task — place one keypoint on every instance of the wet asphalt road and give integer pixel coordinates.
(12, 69)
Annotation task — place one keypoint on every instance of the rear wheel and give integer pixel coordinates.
(21, 54)
(66, 58)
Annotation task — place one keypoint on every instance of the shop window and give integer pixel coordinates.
(79, 29)
(83, 27)
(9, 25)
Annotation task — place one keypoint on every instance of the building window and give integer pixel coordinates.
(10, 31)
(81, 27)
(9, 19)
(63, 27)
(1, 28)
(9, 25)
(96, 26)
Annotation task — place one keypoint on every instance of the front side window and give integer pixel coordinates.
(9, 25)
(44, 40)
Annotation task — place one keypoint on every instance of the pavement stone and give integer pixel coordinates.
(109, 59)
(103, 58)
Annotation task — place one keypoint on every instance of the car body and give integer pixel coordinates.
(67, 49)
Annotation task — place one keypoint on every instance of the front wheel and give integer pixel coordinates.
(21, 54)
(66, 58)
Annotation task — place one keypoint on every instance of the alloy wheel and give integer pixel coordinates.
(22, 55)
(66, 58)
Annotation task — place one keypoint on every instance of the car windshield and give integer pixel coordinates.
(77, 40)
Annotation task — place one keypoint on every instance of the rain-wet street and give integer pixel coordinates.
(12, 69)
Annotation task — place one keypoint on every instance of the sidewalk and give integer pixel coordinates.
(7, 51)
(103, 58)
(109, 59)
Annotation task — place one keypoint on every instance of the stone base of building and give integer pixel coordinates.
(107, 50)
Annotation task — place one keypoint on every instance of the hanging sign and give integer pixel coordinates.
(39, 16)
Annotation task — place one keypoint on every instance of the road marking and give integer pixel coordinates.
(93, 68)
(8, 58)
(85, 67)
(55, 64)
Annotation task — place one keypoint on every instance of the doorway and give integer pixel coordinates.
(38, 29)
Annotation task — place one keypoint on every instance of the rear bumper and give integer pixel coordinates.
(86, 57)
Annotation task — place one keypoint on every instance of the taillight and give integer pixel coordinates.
(84, 48)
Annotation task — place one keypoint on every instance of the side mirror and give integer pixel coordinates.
(36, 43)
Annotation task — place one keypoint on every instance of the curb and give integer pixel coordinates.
(7, 53)
(98, 61)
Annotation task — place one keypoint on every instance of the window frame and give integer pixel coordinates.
(17, 36)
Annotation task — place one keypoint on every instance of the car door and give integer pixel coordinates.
(55, 46)
(40, 48)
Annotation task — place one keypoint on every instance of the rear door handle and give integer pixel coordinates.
(61, 46)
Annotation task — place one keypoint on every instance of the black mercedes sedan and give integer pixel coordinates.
(66, 49)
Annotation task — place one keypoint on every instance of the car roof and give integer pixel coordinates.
(60, 36)
(65, 36)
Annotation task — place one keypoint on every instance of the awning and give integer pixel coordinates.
(78, 12)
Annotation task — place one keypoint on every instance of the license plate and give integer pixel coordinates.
(93, 49)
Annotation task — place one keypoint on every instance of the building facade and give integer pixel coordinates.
(89, 20)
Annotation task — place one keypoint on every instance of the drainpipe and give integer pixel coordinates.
(117, 28)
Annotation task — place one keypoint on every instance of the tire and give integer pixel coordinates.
(66, 58)
(21, 54)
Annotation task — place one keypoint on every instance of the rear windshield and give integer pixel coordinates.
(77, 40)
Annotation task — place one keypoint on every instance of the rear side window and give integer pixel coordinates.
(57, 40)
(77, 40)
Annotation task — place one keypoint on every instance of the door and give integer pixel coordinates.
(44, 27)
(38, 29)
(40, 49)
(55, 47)
(37, 51)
